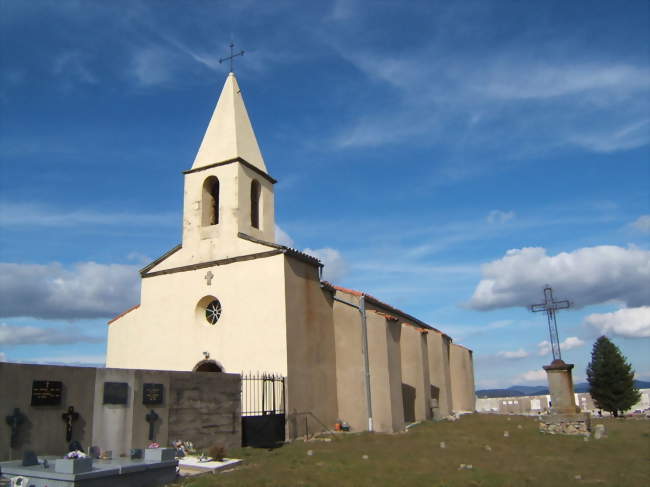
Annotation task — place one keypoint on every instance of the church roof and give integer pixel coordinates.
(229, 134)
(123, 313)
(386, 306)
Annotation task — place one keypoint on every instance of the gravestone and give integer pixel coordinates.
(151, 418)
(69, 418)
(152, 394)
(116, 393)
(46, 392)
(14, 421)
(29, 458)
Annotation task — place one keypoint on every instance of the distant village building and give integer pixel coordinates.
(229, 299)
(542, 404)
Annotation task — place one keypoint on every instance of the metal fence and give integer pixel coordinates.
(262, 394)
(263, 418)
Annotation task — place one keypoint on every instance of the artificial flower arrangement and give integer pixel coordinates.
(75, 454)
(154, 445)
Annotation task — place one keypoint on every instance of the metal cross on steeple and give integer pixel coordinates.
(232, 55)
(551, 307)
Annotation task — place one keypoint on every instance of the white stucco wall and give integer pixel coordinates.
(168, 332)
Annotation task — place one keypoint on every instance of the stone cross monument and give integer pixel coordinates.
(564, 417)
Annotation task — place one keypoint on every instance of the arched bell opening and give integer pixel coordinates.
(210, 205)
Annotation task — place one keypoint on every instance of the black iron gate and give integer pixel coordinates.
(263, 415)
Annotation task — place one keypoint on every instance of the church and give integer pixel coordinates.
(230, 299)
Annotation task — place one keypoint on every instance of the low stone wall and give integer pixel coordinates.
(206, 412)
(111, 408)
(566, 424)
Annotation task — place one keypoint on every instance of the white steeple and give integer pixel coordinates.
(229, 134)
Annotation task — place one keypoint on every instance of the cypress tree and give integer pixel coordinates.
(611, 378)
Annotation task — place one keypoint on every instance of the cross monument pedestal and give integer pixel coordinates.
(560, 386)
(565, 417)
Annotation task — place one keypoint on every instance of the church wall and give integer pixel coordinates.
(349, 364)
(169, 330)
(462, 378)
(416, 389)
(385, 373)
(438, 351)
(311, 359)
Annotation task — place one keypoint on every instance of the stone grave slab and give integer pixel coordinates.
(105, 473)
(192, 466)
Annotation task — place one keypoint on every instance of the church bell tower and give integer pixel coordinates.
(228, 191)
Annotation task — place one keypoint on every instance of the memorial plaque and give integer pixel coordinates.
(46, 392)
(152, 394)
(116, 392)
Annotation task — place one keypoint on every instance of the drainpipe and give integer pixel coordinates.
(364, 345)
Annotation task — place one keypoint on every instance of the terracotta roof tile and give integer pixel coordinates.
(123, 313)
(387, 306)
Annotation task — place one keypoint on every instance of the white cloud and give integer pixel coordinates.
(19, 214)
(531, 376)
(151, 66)
(600, 107)
(589, 275)
(626, 322)
(86, 290)
(3, 357)
(571, 342)
(335, 267)
(33, 335)
(516, 354)
(642, 224)
(76, 360)
(72, 65)
(283, 238)
(500, 217)
(606, 140)
(544, 348)
(549, 81)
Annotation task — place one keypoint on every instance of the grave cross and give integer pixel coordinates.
(151, 418)
(551, 307)
(14, 421)
(69, 417)
(208, 277)
(232, 55)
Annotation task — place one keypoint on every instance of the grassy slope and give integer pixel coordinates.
(415, 458)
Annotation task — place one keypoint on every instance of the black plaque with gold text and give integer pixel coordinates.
(46, 392)
(152, 394)
(116, 392)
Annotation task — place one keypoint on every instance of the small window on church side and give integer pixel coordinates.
(255, 204)
(210, 203)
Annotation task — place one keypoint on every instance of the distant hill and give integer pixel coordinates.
(515, 391)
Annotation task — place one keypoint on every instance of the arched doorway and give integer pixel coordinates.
(207, 366)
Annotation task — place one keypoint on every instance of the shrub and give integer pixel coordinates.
(217, 452)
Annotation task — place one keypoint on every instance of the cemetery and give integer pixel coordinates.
(114, 426)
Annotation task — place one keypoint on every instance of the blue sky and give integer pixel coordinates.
(450, 158)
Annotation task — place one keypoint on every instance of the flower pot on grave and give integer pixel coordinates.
(159, 454)
(73, 465)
